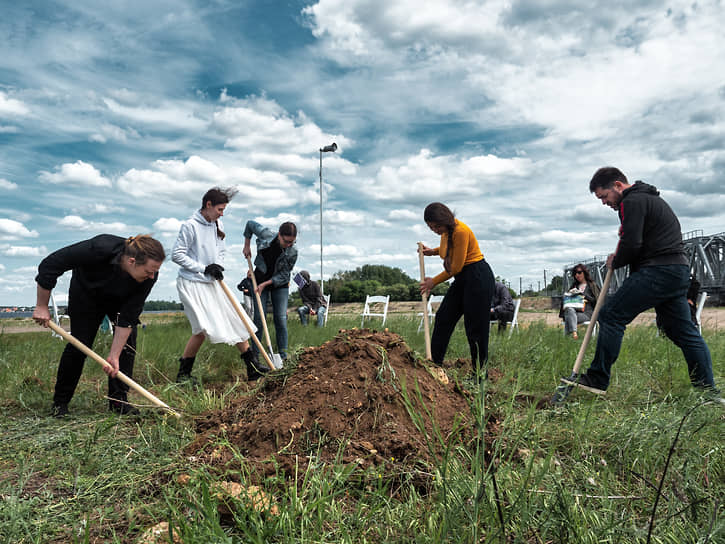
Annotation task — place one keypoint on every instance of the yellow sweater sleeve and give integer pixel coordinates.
(465, 251)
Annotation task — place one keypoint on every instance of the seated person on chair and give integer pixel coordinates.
(313, 301)
(578, 302)
(502, 306)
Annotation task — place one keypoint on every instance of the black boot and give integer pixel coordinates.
(185, 366)
(254, 369)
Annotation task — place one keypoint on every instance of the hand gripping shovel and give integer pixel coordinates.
(426, 326)
(562, 392)
(121, 376)
(247, 324)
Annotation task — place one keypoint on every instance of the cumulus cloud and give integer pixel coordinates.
(257, 123)
(7, 185)
(14, 230)
(426, 177)
(75, 222)
(11, 106)
(24, 251)
(167, 225)
(79, 174)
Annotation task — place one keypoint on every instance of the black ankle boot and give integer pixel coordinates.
(185, 366)
(254, 369)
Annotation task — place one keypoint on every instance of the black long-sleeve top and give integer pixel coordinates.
(97, 281)
(650, 233)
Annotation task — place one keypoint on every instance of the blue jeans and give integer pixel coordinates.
(664, 288)
(304, 311)
(279, 295)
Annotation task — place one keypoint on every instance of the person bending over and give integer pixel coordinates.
(650, 242)
(471, 292)
(111, 276)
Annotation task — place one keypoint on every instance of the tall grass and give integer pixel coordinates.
(590, 471)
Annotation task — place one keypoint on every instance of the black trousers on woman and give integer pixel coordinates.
(85, 323)
(469, 296)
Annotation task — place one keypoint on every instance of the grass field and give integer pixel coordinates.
(592, 471)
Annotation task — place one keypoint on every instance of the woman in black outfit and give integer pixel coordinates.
(111, 276)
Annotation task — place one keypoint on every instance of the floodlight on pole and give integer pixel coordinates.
(327, 149)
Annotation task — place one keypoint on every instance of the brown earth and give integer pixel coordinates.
(347, 401)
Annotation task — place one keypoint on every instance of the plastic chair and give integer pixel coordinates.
(55, 301)
(698, 313)
(327, 309)
(514, 320)
(372, 300)
(433, 299)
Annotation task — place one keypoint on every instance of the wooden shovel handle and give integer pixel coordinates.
(426, 325)
(121, 376)
(247, 324)
(592, 321)
(259, 304)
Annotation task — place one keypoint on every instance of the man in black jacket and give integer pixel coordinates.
(650, 242)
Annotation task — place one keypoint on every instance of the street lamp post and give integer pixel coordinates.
(327, 149)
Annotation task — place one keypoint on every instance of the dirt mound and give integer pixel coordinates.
(349, 400)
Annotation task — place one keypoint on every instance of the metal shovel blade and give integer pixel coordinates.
(276, 360)
(562, 391)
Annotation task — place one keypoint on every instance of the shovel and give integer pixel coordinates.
(426, 326)
(563, 390)
(248, 325)
(276, 358)
(121, 376)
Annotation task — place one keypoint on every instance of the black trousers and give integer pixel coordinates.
(84, 326)
(469, 296)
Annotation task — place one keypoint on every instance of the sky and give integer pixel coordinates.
(116, 117)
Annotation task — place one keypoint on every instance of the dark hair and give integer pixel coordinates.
(605, 177)
(288, 229)
(440, 214)
(587, 278)
(218, 196)
(143, 247)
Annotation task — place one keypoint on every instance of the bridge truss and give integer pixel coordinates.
(707, 264)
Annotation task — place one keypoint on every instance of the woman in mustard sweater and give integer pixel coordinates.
(469, 295)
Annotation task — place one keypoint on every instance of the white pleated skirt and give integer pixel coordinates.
(210, 311)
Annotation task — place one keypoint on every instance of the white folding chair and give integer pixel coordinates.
(373, 300)
(514, 319)
(698, 313)
(327, 308)
(433, 299)
(55, 301)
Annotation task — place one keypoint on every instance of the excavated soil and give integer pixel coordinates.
(344, 402)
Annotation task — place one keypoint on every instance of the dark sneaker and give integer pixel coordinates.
(122, 407)
(584, 382)
(59, 410)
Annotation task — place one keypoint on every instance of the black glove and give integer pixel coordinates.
(215, 271)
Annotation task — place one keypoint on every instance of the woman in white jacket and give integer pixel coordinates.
(199, 251)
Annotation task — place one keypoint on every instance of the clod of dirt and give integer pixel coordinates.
(229, 493)
(159, 534)
(345, 401)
